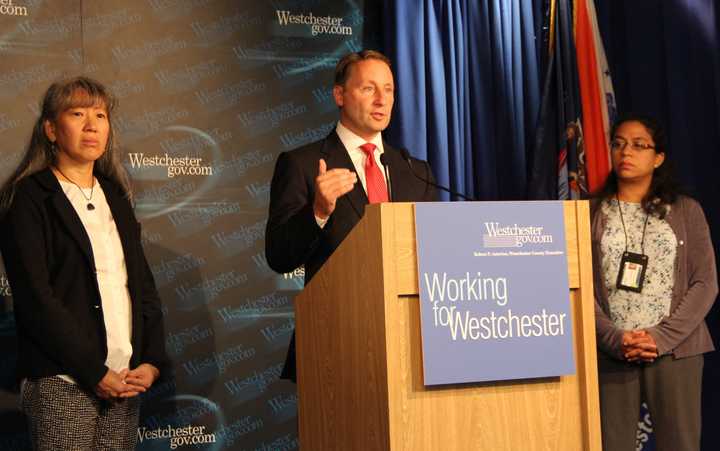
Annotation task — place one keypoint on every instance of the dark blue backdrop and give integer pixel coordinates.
(665, 58)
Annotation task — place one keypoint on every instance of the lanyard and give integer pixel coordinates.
(622, 221)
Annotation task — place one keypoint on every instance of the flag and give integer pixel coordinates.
(558, 137)
(571, 154)
(597, 94)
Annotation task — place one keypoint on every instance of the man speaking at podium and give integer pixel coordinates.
(319, 191)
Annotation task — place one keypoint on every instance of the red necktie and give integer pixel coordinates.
(374, 181)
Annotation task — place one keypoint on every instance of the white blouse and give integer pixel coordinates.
(111, 272)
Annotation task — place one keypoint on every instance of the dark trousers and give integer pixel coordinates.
(62, 416)
(670, 387)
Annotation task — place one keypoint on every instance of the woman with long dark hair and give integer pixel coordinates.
(655, 280)
(87, 312)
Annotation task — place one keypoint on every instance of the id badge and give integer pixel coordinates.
(632, 271)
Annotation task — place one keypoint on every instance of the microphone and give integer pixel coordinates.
(386, 167)
(406, 156)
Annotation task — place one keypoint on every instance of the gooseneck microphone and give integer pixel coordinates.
(406, 156)
(386, 167)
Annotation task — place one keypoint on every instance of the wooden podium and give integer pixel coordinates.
(359, 358)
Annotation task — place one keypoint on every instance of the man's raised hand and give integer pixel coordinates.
(329, 186)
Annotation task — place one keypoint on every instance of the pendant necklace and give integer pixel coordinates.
(90, 205)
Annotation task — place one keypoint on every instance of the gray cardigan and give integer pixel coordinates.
(683, 333)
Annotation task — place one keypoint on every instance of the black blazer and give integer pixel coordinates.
(292, 236)
(56, 297)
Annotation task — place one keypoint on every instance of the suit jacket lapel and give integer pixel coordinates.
(336, 156)
(67, 213)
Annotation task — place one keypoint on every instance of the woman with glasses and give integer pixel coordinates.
(655, 281)
(88, 316)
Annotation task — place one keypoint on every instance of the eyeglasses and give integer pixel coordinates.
(616, 145)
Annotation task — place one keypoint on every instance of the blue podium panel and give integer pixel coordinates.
(494, 299)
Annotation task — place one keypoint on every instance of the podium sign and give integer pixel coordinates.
(494, 299)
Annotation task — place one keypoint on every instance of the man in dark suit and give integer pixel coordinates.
(315, 197)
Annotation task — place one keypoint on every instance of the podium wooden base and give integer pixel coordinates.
(360, 362)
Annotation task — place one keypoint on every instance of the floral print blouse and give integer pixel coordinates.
(630, 310)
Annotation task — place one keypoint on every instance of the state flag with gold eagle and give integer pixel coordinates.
(571, 156)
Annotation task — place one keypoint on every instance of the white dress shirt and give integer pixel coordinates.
(111, 272)
(352, 143)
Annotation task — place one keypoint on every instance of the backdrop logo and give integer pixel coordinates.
(266, 50)
(180, 157)
(175, 165)
(236, 430)
(14, 80)
(644, 435)
(317, 24)
(176, 342)
(223, 28)
(297, 273)
(291, 140)
(146, 53)
(224, 97)
(177, 437)
(8, 9)
(218, 362)
(234, 316)
(4, 286)
(188, 76)
(7, 122)
(272, 116)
